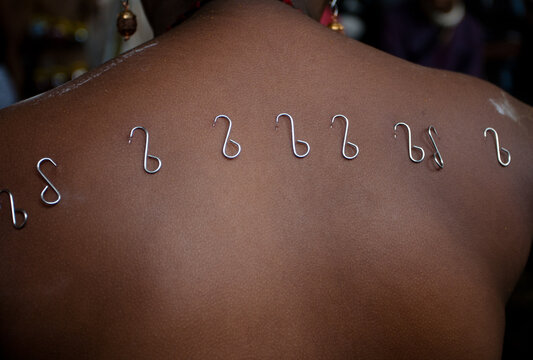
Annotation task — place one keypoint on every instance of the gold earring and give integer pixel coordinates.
(126, 21)
(335, 25)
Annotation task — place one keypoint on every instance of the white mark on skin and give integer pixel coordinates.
(35, 97)
(90, 76)
(141, 49)
(505, 108)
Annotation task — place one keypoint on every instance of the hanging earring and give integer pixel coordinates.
(126, 21)
(335, 25)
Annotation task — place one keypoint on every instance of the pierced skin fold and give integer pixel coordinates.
(265, 255)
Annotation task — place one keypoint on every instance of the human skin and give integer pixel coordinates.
(267, 255)
(162, 14)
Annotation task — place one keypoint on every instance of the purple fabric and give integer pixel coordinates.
(409, 34)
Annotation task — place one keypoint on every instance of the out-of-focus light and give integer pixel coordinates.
(78, 72)
(39, 28)
(81, 34)
(59, 78)
(354, 27)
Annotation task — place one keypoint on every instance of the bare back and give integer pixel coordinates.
(266, 255)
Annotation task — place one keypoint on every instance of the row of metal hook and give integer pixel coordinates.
(437, 157)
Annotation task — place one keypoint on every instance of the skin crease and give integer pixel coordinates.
(264, 256)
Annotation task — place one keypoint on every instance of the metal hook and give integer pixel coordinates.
(498, 148)
(436, 156)
(292, 136)
(227, 138)
(13, 211)
(334, 7)
(48, 182)
(345, 141)
(146, 156)
(411, 146)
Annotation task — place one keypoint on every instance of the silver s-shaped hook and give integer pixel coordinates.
(48, 182)
(498, 148)
(293, 138)
(227, 138)
(146, 156)
(345, 141)
(411, 146)
(436, 156)
(13, 211)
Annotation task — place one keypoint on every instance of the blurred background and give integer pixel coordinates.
(45, 43)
